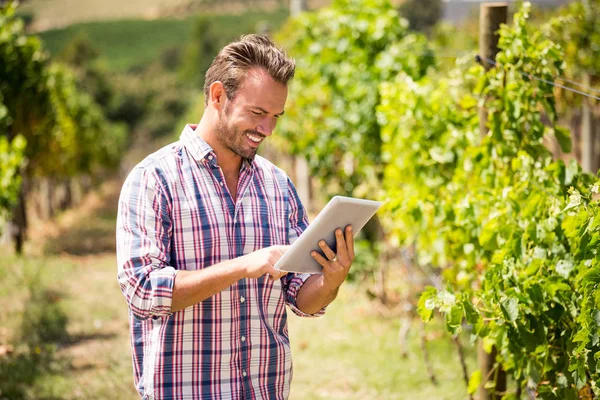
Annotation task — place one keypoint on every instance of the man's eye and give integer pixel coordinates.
(256, 113)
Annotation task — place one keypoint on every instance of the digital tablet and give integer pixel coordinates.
(338, 213)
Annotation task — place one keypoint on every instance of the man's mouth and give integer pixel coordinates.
(254, 137)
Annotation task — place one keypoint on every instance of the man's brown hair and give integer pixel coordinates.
(237, 58)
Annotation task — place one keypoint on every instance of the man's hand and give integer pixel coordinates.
(262, 262)
(337, 264)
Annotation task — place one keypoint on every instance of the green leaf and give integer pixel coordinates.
(474, 382)
(471, 314)
(427, 303)
(563, 137)
(454, 319)
(591, 277)
(510, 309)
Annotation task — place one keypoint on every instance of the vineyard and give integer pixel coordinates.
(486, 159)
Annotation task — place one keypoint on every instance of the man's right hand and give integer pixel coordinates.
(262, 262)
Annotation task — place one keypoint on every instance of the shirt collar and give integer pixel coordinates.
(200, 150)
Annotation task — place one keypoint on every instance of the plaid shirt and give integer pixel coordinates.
(175, 212)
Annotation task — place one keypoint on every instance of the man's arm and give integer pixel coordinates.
(320, 290)
(192, 287)
(152, 287)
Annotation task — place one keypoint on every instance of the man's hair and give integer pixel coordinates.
(252, 51)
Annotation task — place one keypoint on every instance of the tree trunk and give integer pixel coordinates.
(19, 221)
(490, 371)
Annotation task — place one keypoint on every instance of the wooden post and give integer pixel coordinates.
(491, 16)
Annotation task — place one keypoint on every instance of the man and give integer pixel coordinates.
(201, 224)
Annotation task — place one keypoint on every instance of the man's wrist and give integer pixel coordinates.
(239, 268)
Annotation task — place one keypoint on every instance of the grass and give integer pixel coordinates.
(353, 352)
(124, 44)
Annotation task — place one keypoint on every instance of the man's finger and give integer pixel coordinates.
(325, 263)
(282, 248)
(350, 241)
(341, 242)
(275, 274)
(329, 253)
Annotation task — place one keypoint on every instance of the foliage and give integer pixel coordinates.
(577, 30)
(11, 161)
(515, 231)
(342, 53)
(202, 47)
(65, 130)
(43, 326)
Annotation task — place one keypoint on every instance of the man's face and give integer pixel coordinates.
(251, 116)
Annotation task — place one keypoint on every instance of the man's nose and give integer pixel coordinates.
(267, 126)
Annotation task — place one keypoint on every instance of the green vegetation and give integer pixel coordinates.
(11, 161)
(513, 230)
(126, 44)
(343, 52)
(509, 234)
(66, 132)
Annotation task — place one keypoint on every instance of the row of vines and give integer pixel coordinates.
(513, 231)
(48, 126)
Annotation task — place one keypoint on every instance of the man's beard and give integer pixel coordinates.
(233, 138)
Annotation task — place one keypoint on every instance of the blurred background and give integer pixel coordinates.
(483, 143)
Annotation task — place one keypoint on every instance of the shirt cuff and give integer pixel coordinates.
(294, 285)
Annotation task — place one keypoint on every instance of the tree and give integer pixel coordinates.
(65, 131)
(200, 51)
(11, 161)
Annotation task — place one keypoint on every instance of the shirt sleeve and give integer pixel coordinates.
(298, 222)
(143, 246)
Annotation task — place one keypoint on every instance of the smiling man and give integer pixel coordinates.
(201, 224)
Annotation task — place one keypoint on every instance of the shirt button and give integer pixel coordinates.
(210, 157)
(221, 183)
(243, 373)
(243, 338)
(242, 299)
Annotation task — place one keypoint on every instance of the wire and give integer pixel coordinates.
(479, 59)
(578, 84)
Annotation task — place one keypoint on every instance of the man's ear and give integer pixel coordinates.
(217, 95)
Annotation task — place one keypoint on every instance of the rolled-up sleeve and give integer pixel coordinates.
(298, 222)
(143, 246)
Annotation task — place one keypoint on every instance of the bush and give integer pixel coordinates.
(43, 328)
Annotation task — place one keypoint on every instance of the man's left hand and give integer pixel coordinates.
(337, 264)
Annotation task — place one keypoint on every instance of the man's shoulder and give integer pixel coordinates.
(268, 169)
